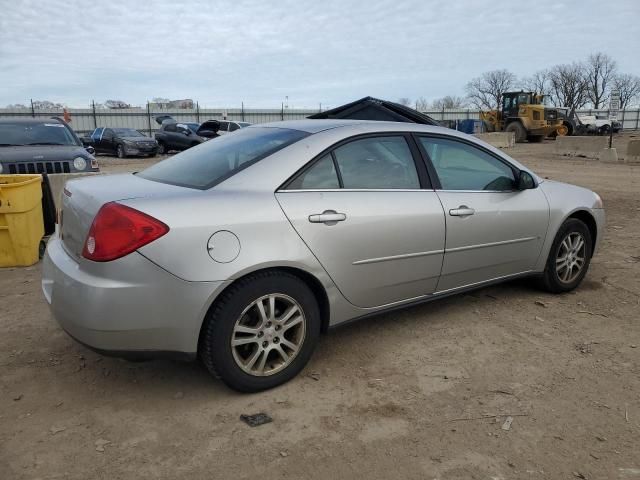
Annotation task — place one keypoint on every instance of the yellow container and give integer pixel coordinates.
(21, 222)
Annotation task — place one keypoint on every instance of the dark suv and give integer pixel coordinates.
(42, 145)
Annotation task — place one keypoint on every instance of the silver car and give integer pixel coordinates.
(243, 250)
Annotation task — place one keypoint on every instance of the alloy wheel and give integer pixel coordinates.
(268, 335)
(571, 257)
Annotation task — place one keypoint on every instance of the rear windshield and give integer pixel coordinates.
(218, 159)
(45, 133)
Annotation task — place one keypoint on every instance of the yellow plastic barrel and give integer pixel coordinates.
(21, 222)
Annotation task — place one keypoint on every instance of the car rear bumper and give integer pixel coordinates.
(127, 307)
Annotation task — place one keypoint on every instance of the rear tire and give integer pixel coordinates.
(569, 257)
(518, 129)
(120, 153)
(256, 363)
(162, 149)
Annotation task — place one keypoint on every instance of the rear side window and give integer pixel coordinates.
(171, 127)
(321, 175)
(461, 166)
(233, 127)
(216, 160)
(224, 126)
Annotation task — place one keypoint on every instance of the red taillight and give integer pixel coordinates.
(119, 230)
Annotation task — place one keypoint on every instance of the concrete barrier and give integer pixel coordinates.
(633, 151)
(57, 181)
(498, 139)
(588, 147)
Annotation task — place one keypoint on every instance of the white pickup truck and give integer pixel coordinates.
(599, 125)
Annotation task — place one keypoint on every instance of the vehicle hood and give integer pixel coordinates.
(83, 198)
(137, 139)
(42, 153)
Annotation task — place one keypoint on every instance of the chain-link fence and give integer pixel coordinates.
(85, 120)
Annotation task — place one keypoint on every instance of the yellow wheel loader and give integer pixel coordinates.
(525, 114)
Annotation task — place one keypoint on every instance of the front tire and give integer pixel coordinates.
(569, 257)
(519, 130)
(261, 332)
(120, 151)
(162, 149)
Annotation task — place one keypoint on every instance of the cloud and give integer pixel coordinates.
(222, 53)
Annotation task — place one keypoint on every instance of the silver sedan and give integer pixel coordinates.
(244, 249)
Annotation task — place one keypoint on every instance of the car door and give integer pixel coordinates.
(95, 139)
(367, 211)
(183, 136)
(494, 230)
(171, 136)
(106, 142)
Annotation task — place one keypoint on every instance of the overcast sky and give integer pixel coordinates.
(223, 53)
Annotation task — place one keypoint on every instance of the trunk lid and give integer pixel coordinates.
(82, 198)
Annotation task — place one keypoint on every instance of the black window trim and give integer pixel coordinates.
(424, 178)
(434, 175)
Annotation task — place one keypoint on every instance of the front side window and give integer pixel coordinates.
(233, 127)
(377, 163)
(461, 166)
(215, 161)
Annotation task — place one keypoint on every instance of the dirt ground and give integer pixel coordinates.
(422, 393)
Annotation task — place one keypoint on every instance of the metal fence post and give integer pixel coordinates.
(242, 109)
(282, 112)
(149, 116)
(637, 118)
(95, 119)
(198, 112)
(622, 120)
(33, 112)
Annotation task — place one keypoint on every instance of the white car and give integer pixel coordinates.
(600, 125)
(227, 126)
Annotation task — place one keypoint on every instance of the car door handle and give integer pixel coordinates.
(461, 211)
(330, 217)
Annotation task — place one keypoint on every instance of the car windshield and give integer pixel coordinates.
(244, 124)
(127, 132)
(192, 126)
(216, 160)
(44, 133)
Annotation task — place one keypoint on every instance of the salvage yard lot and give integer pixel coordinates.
(420, 393)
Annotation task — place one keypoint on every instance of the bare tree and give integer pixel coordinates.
(629, 88)
(17, 106)
(405, 101)
(46, 105)
(485, 92)
(422, 104)
(450, 101)
(538, 82)
(569, 85)
(600, 73)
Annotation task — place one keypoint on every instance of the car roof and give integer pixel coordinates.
(29, 120)
(315, 126)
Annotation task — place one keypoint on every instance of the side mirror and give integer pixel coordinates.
(525, 181)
